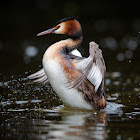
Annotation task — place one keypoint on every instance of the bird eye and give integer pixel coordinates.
(58, 27)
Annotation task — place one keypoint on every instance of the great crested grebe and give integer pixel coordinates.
(78, 81)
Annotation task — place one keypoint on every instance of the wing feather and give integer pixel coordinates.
(39, 77)
(91, 68)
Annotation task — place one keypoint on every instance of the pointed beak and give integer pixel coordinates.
(51, 30)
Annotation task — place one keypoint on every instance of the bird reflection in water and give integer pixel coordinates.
(81, 125)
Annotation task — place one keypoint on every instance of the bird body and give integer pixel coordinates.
(78, 81)
(56, 68)
(58, 80)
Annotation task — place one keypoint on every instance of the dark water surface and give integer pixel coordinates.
(33, 111)
(30, 111)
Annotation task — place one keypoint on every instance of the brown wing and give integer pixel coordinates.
(90, 77)
(91, 68)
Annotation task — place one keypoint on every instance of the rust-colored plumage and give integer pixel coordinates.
(84, 76)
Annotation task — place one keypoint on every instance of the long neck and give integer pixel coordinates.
(62, 47)
(71, 44)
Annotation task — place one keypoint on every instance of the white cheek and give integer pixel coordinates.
(60, 30)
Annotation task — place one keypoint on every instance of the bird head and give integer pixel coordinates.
(68, 26)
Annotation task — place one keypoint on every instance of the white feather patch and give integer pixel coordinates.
(81, 65)
(95, 76)
(76, 52)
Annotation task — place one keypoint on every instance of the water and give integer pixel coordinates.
(31, 111)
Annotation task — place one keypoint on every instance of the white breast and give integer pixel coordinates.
(58, 81)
